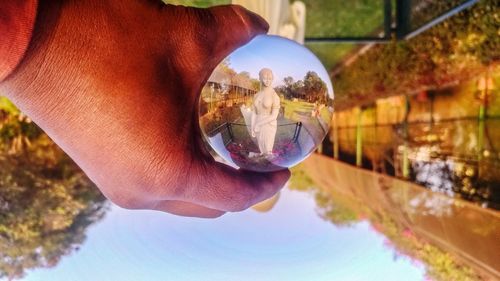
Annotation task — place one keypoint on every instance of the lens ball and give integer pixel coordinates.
(266, 106)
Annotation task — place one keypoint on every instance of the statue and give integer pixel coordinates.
(285, 19)
(265, 109)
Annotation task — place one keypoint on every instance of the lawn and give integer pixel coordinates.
(336, 18)
(327, 18)
(293, 107)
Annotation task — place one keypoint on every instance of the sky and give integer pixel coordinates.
(290, 242)
(284, 57)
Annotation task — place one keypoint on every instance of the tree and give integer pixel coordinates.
(287, 90)
(245, 74)
(315, 87)
(459, 48)
(297, 89)
(225, 66)
(46, 201)
(288, 81)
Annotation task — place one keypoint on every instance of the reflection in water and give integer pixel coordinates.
(446, 140)
(417, 223)
(47, 206)
(46, 202)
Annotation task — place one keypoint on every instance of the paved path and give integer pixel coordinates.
(312, 124)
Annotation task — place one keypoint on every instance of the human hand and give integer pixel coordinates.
(116, 84)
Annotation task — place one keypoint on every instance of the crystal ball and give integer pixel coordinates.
(266, 106)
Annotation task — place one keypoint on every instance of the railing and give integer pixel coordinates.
(228, 127)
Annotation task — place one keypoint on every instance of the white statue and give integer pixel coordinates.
(265, 109)
(285, 19)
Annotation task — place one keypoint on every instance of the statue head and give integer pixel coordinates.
(266, 77)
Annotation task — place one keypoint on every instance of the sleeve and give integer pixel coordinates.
(17, 20)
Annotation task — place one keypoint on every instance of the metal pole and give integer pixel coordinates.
(230, 131)
(403, 18)
(297, 130)
(410, 34)
(387, 18)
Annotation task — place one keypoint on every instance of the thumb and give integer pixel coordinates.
(218, 186)
(235, 26)
(202, 38)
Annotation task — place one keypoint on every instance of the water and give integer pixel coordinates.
(290, 242)
(331, 222)
(446, 140)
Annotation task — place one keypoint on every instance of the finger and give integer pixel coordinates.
(136, 200)
(186, 209)
(218, 186)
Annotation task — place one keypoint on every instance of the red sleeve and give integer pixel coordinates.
(17, 19)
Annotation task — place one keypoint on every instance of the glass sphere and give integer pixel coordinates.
(266, 106)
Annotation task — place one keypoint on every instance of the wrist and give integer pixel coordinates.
(23, 78)
(17, 19)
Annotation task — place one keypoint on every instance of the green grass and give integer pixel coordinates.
(336, 18)
(296, 106)
(326, 18)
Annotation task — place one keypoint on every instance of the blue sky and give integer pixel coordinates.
(291, 242)
(282, 56)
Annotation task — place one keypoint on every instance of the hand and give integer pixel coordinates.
(116, 84)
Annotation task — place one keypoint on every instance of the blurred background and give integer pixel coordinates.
(405, 187)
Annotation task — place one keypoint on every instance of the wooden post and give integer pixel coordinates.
(484, 85)
(481, 118)
(405, 165)
(480, 133)
(335, 137)
(359, 141)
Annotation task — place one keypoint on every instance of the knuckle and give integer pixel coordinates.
(239, 201)
(124, 201)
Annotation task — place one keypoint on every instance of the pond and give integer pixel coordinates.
(290, 242)
(446, 140)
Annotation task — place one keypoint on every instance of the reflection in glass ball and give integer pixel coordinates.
(266, 106)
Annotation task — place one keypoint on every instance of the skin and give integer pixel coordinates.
(116, 85)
